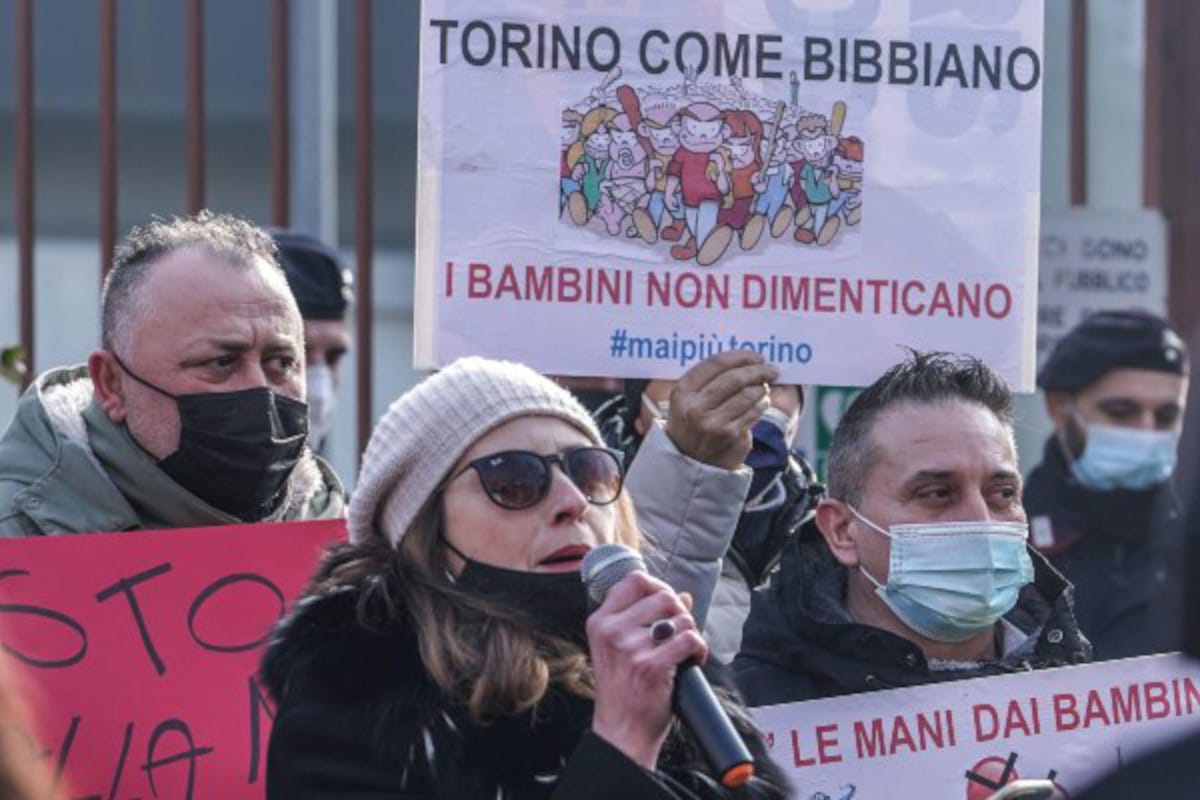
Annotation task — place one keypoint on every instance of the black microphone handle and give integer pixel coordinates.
(693, 700)
(697, 706)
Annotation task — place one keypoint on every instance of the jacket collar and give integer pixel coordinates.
(800, 624)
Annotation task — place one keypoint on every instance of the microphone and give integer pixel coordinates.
(693, 699)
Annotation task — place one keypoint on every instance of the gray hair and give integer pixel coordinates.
(921, 379)
(236, 240)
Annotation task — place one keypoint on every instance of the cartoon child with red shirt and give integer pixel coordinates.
(697, 173)
(742, 148)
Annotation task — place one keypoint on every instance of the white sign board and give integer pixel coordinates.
(627, 188)
(1096, 261)
(968, 738)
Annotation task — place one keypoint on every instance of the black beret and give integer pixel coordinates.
(322, 287)
(1109, 340)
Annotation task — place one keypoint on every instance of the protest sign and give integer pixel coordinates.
(1096, 261)
(627, 189)
(969, 738)
(138, 651)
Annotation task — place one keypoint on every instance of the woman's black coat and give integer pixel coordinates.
(358, 717)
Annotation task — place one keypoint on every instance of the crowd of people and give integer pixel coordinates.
(449, 648)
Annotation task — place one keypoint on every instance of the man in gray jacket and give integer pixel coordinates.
(191, 412)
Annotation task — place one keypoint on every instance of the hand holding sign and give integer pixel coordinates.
(716, 403)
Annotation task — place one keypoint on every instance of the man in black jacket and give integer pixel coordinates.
(1115, 388)
(921, 571)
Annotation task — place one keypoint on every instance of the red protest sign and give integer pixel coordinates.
(137, 652)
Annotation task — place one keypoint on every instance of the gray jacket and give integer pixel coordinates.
(66, 468)
(688, 511)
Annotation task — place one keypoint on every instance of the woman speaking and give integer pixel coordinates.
(448, 651)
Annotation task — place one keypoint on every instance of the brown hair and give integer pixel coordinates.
(745, 123)
(487, 656)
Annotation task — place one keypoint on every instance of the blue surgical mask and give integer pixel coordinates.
(1125, 458)
(950, 581)
(322, 399)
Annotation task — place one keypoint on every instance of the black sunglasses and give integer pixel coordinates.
(519, 479)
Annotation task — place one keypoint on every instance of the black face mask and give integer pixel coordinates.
(236, 449)
(556, 601)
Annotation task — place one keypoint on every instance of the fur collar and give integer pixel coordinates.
(372, 685)
(372, 689)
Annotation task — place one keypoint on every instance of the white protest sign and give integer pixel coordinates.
(1095, 261)
(967, 738)
(627, 188)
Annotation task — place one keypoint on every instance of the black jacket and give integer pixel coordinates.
(1119, 549)
(801, 644)
(358, 717)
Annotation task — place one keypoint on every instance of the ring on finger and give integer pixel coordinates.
(662, 630)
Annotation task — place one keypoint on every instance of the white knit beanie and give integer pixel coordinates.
(427, 430)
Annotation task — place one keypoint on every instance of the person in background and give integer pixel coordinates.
(716, 484)
(922, 571)
(192, 411)
(323, 289)
(1116, 388)
(449, 650)
(1172, 769)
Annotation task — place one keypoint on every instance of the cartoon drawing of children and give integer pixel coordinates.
(773, 180)
(696, 172)
(742, 149)
(848, 158)
(796, 188)
(570, 135)
(819, 177)
(658, 115)
(624, 183)
(589, 170)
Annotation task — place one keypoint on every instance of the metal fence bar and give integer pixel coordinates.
(108, 132)
(23, 147)
(194, 69)
(363, 216)
(1079, 86)
(280, 113)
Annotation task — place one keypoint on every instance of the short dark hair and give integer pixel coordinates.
(233, 239)
(921, 379)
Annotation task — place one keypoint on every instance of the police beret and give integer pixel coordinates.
(321, 286)
(1109, 340)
